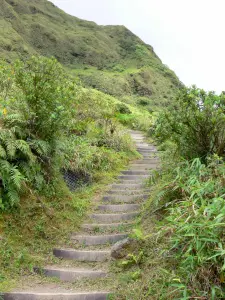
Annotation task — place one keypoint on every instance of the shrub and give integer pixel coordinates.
(144, 101)
(45, 98)
(195, 217)
(122, 109)
(195, 123)
(37, 99)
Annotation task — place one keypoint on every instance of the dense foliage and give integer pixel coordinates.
(48, 125)
(191, 198)
(195, 123)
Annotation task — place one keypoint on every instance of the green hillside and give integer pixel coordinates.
(109, 58)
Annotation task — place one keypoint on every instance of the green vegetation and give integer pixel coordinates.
(108, 58)
(49, 127)
(195, 123)
(69, 115)
(181, 239)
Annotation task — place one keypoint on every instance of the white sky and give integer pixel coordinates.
(188, 35)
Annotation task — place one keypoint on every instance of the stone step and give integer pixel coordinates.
(144, 166)
(136, 172)
(111, 226)
(146, 149)
(119, 207)
(136, 133)
(127, 201)
(99, 239)
(70, 274)
(126, 181)
(125, 198)
(146, 161)
(149, 151)
(82, 255)
(128, 192)
(143, 145)
(129, 186)
(65, 295)
(148, 154)
(108, 218)
(137, 138)
(133, 177)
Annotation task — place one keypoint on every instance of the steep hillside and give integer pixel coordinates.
(109, 58)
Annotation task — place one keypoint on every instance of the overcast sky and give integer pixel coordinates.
(188, 35)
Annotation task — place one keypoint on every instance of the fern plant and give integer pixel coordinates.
(12, 151)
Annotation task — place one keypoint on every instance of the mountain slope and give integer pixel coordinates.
(109, 58)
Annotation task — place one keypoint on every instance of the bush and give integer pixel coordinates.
(122, 109)
(143, 101)
(45, 98)
(195, 123)
(41, 113)
(37, 98)
(195, 218)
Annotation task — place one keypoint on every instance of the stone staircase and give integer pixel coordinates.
(111, 222)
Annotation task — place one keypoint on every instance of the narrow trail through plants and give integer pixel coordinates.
(91, 248)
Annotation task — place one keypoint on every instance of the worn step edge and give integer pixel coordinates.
(99, 239)
(136, 178)
(128, 181)
(148, 155)
(126, 197)
(82, 255)
(70, 274)
(128, 192)
(119, 207)
(145, 161)
(56, 296)
(149, 166)
(153, 152)
(146, 148)
(114, 217)
(136, 172)
(106, 226)
(138, 186)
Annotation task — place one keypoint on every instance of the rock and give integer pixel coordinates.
(119, 249)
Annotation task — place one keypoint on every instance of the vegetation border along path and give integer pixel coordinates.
(91, 247)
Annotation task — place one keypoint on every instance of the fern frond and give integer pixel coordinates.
(16, 177)
(5, 166)
(2, 152)
(15, 119)
(42, 147)
(10, 147)
(13, 196)
(6, 134)
(24, 147)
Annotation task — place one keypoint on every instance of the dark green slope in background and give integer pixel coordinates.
(109, 58)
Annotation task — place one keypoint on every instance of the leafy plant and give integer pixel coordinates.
(132, 259)
(37, 114)
(196, 218)
(46, 97)
(195, 123)
(123, 109)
